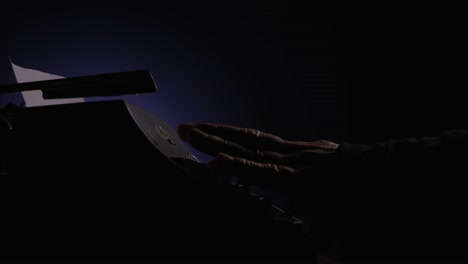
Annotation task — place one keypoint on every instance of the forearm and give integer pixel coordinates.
(400, 164)
(398, 198)
(419, 153)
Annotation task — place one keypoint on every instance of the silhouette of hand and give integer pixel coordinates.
(255, 156)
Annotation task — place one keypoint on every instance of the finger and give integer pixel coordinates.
(249, 137)
(210, 144)
(304, 158)
(256, 138)
(324, 145)
(273, 176)
(293, 160)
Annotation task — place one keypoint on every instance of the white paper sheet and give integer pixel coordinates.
(34, 98)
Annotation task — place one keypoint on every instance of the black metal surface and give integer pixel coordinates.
(85, 181)
(110, 84)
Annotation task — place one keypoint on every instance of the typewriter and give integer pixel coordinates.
(111, 179)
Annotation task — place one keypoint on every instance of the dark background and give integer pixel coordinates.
(304, 70)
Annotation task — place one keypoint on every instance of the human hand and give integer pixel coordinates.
(255, 156)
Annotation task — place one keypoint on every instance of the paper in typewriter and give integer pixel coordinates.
(34, 98)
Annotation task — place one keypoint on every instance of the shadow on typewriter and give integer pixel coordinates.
(108, 179)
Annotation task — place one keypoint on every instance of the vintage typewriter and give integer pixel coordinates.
(110, 179)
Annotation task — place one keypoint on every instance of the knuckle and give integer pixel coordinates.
(259, 153)
(273, 167)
